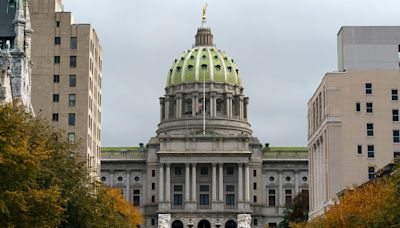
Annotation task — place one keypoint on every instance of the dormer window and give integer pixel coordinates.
(191, 57)
(170, 71)
(175, 60)
(226, 58)
(237, 71)
(229, 69)
(204, 49)
(182, 59)
(204, 56)
(190, 67)
(218, 67)
(178, 69)
(215, 57)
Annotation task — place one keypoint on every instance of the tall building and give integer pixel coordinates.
(204, 168)
(353, 116)
(67, 74)
(15, 52)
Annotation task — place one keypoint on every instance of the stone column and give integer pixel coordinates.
(194, 182)
(280, 190)
(241, 110)
(194, 105)
(166, 107)
(187, 182)
(246, 183)
(240, 182)
(214, 182)
(128, 186)
(161, 183)
(221, 181)
(161, 108)
(177, 113)
(230, 113)
(112, 178)
(296, 182)
(168, 183)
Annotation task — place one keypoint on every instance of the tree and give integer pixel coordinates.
(297, 211)
(374, 204)
(45, 183)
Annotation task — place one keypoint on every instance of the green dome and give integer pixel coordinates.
(188, 67)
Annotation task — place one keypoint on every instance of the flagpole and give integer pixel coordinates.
(204, 100)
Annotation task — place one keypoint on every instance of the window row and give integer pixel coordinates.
(73, 43)
(71, 118)
(204, 171)
(71, 80)
(394, 92)
(71, 99)
(395, 133)
(72, 61)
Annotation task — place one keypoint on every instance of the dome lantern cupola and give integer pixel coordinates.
(204, 37)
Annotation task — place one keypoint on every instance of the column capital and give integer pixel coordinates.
(221, 164)
(246, 164)
(194, 164)
(168, 164)
(214, 164)
(187, 164)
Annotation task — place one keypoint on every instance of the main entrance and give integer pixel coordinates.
(204, 224)
(177, 224)
(230, 224)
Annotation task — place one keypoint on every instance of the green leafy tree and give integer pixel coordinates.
(44, 182)
(297, 211)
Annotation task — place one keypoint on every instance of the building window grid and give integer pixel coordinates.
(371, 172)
(368, 88)
(71, 119)
(204, 195)
(359, 149)
(230, 195)
(358, 107)
(178, 195)
(369, 107)
(371, 151)
(57, 59)
(72, 81)
(395, 115)
(57, 40)
(395, 96)
(288, 196)
(56, 97)
(56, 78)
(55, 117)
(136, 197)
(370, 129)
(72, 100)
(271, 197)
(72, 61)
(396, 136)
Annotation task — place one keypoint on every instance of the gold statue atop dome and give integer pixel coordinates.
(204, 12)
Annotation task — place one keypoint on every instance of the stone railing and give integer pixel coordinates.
(231, 207)
(116, 155)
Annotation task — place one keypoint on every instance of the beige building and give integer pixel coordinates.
(66, 78)
(353, 117)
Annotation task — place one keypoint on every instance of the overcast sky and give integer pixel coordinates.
(282, 47)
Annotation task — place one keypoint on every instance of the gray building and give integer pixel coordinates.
(15, 52)
(204, 168)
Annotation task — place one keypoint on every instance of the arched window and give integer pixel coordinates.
(190, 67)
(221, 106)
(177, 224)
(229, 68)
(230, 224)
(204, 224)
(218, 67)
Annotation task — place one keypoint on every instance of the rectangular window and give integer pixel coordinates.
(396, 136)
(153, 199)
(254, 186)
(178, 199)
(230, 188)
(136, 197)
(359, 149)
(57, 59)
(56, 97)
(368, 88)
(71, 119)
(230, 199)
(153, 222)
(74, 43)
(72, 100)
(371, 172)
(358, 107)
(254, 199)
(395, 115)
(369, 107)
(204, 199)
(371, 151)
(58, 23)
(56, 78)
(288, 196)
(255, 222)
(396, 155)
(57, 40)
(55, 117)
(71, 137)
(153, 173)
(178, 171)
(72, 61)
(272, 225)
(254, 173)
(271, 197)
(204, 188)
(204, 171)
(153, 186)
(72, 81)
(395, 95)
(178, 188)
(229, 171)
(370, 129)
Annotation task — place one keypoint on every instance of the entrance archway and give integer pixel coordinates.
(204, 224)
(177, 224)
(230, 224)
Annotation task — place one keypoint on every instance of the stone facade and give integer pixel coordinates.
(353, 116)
(66, 86)
(15, 52)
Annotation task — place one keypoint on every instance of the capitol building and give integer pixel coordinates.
(204, 168)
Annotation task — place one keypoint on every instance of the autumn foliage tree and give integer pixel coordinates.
(374, 204)
(44, 182)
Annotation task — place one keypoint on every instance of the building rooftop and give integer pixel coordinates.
(285, 152)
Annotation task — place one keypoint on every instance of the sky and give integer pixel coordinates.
(283, 49)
